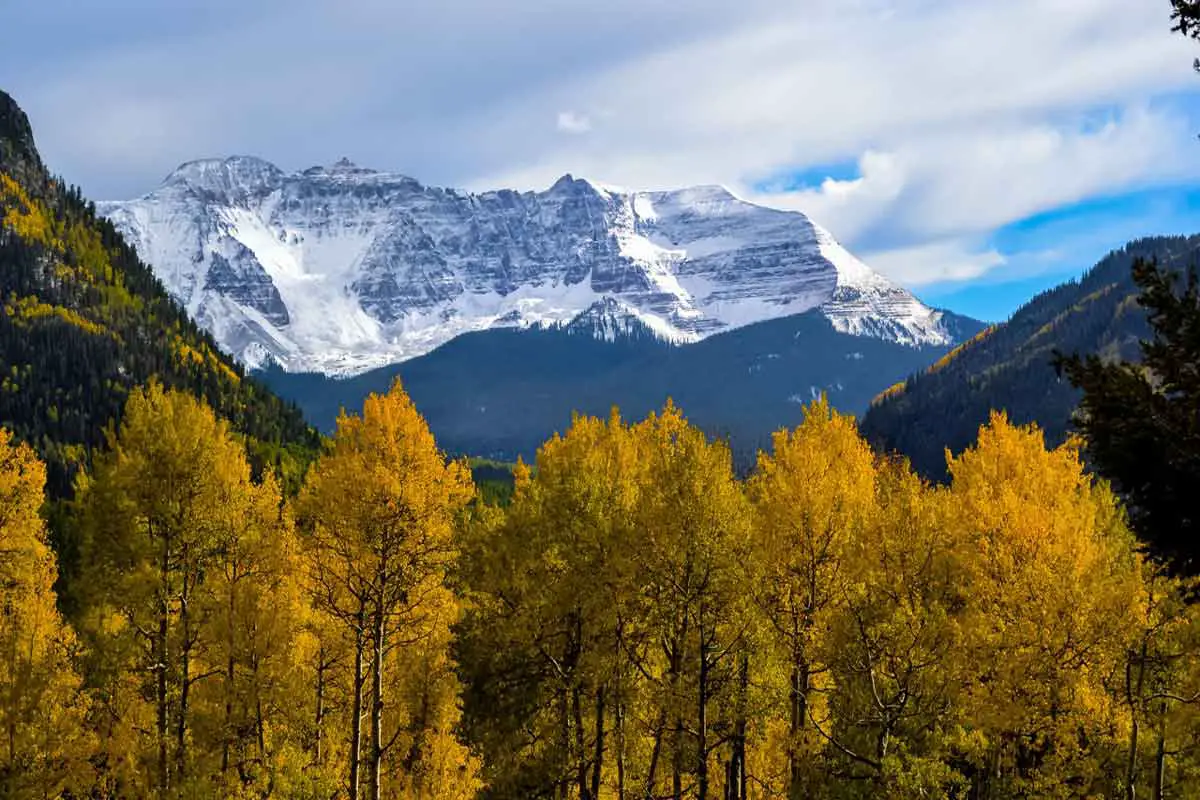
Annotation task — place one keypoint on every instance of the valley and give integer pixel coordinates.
(506, 312)
(333, 483)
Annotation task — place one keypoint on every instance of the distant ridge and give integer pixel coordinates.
(1009, 367)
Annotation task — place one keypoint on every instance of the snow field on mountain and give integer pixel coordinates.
(340, 269)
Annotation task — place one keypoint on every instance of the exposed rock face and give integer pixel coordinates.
(17, 149)
(341, 269)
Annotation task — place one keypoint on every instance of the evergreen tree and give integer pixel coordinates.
(1142, 421)
(1186, 16)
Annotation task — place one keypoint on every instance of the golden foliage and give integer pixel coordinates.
(25, 217)
(381, 508)
(28, 309)
(44, 744)
(203, 357)
(637, 623)
(75, 248)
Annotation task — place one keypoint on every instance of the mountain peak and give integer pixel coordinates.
(713, 190)
(341, 269)
(343, 166)
(235, 175)
(345, 171)
(569, 184)
(611, 320)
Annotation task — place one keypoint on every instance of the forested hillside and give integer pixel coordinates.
(501, 393)
(84, 321)
(1009, 367)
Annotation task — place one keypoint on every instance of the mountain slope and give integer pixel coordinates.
(340, 269)
(1009, 366)
(84, 321)
(501, 393)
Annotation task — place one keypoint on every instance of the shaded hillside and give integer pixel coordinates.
(501, 393)
(84, 320)
(1009, 366)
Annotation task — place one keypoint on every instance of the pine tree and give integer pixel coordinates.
(1185, 14)
(1142, 421)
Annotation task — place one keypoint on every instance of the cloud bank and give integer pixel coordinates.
(913, 130)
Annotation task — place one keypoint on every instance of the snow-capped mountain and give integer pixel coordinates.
(341, 269)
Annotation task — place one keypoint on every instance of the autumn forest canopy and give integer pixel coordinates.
(636, 623)
(200, 597)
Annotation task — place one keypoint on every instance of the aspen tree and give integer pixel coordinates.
(43, 748)
(1054, 587)
(553, 613)
(694, 528)
(814, 498)
(894, 650)
(190, 611)
(382, 506)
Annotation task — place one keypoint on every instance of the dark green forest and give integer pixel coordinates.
(1010, 366)
(501, 393)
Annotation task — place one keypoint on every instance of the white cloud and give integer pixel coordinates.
(848, 206)
(963, 115)
(574, 123)
(936, 262)
(972, 179)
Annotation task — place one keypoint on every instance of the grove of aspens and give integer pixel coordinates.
(639, 622)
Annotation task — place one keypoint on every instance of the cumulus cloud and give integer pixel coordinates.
(955, 186)
(962, 115)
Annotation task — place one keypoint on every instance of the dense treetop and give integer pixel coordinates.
(637, 622)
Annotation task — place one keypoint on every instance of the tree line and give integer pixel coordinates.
(636, 623)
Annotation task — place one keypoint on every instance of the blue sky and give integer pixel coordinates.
(976, 151)
(1057, 245)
